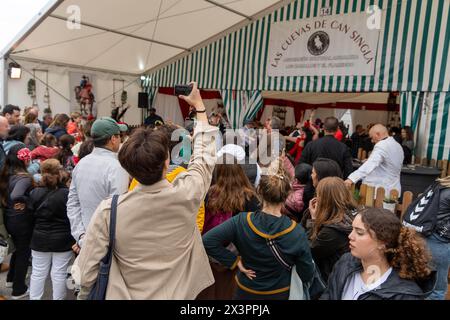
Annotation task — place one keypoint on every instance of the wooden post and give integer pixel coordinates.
(425, 162)
(380, 197)
(432, 163)
(370, 192)
(407, 199)
(360, 150)
(444, 169)
(362, 194)
(439, 164)
(417, 161)
(394, 196)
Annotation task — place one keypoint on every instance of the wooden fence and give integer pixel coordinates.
(368, 197)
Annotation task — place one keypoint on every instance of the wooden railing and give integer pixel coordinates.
(368, 197)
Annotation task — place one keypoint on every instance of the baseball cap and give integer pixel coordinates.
(106, 127)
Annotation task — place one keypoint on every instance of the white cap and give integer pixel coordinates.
(236, 151)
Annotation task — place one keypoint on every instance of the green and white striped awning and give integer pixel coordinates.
(413, 52)
(428, 115)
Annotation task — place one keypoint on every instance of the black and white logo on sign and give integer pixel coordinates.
(318, 43)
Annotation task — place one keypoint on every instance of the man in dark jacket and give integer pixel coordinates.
(153, 118)
(330, 148)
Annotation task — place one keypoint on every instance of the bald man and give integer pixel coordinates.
(384, 165)
(4, 129)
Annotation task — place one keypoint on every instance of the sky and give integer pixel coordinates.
(15, 15)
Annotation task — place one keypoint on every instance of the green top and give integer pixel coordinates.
(249, 232)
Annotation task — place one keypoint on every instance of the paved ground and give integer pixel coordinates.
(48, 287)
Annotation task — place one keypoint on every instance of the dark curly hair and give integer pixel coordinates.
(406, 251)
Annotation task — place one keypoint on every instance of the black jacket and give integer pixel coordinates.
(51, 226)
(443, 217)
(330, 148)
(394, 288)
(331, 243)
(2, 156)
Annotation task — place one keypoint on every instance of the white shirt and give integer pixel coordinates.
(95, 178)
(355, 286)
(383, 168)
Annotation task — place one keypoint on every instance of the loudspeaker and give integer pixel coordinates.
(143, 100)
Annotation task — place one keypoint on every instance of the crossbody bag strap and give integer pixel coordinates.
(112, 227)
(277, 254)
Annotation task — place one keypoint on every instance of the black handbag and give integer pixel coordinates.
(98, 291)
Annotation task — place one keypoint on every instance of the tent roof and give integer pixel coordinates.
(132, 36)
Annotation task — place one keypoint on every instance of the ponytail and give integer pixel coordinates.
(406, 250)
(411, 257)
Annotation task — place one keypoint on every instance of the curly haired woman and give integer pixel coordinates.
(386, 261)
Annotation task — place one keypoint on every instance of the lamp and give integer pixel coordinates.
(14, 71)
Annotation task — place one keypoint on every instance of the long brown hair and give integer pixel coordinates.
(405, 250)
(334, 202)
(50, 170)
(231, 189)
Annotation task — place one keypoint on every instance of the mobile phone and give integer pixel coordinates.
(183, 89)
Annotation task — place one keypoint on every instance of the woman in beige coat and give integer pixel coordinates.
(158, 252)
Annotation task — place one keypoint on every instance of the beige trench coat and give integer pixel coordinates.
(158, 252)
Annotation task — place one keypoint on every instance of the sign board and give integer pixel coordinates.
(323, 46)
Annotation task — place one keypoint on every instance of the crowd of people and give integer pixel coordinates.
(218, 226)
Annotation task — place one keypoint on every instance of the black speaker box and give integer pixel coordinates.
(143, 100)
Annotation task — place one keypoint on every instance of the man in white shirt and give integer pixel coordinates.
(96, 177)
(383, 168)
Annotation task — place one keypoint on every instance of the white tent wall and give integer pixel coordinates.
(58, 78)
(168, 107)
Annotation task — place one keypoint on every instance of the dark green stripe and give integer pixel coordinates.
(414, 45)
(215, 74)
(434, 115)
(445, 58)
(346, 81)
(251, 50)
(401, 67)
(417, 99)
(308, 12)
(267, 42)
(347, 4)
(437, 34)
(355, 5)
(228, 67)
(295, 10)
(338, 83)
(231, 68)
(338, 7)
(363, 5)
(444, 129)
(423, 51)
(259, 66)
(238, 67)
(302, 8)
(254, 66)
(391, 85)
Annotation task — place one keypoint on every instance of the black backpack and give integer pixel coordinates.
(422, 213)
